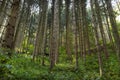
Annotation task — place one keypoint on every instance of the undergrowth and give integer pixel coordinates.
(22, 67)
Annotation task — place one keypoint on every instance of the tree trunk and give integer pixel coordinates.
(96, 37)
(99, 19)
(10, 28)
(114, 27)
(55, 34)
(68, 50)
(76, 33)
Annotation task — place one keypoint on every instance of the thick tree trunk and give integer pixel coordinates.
(3, 13)
(18, 26)
(10, 28)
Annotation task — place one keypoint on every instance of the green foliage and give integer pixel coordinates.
(111, 70)
(21, 66)
(4, 67)
(30, 49)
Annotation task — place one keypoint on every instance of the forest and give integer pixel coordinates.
(59, 39)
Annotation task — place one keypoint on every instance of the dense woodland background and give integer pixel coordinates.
(60, 39)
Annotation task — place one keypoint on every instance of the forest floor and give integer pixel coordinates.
(21, 67)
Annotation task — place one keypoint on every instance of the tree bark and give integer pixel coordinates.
(55, 35)
(114, 27)
(10, 28)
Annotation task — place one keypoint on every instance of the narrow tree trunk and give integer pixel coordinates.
(108, 25)
(96, 37)
(76, 33)
(114, 27)
(39, 30)
(44, 30)
(99, 19)
(68, 50)
(55, 34)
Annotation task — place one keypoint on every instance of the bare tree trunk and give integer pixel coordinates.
(85, 23)
(44, 30)
(96, 37)
(18, 25)
(114, 27)
(55, 34)
(10, 28)
(2, 7)
(38, 34)
(99, 19)
(76, 33)
(68, 50)
(108, 25)
(3, 13)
